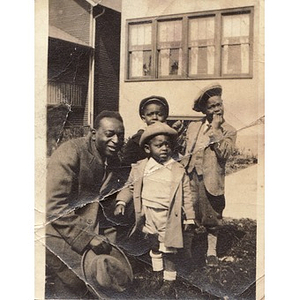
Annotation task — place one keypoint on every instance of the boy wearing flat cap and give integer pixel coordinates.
(160, 190)
(151, 109)
(209, 143)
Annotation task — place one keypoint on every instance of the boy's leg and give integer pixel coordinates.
(169, 260)
(157, 267)
(211, 254)
(218, 204)
(156, 260)
(169, 276)
(157, 263)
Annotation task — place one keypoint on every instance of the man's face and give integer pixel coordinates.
(160, 148)
(214, 106)
(109, 137)
(154, 112)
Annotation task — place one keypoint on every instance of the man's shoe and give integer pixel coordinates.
(212, 261)
(168, 289)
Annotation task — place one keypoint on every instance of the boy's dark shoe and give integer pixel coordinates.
(168, 290)
(156, 281)
(212, 261)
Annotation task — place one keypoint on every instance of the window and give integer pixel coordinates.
(169, 48)
(192, 46)
(140, 50)
(201, 45)
(235, 44)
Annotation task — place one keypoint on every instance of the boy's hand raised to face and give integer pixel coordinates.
(217, 121)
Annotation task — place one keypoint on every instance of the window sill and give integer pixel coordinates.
(188, 78)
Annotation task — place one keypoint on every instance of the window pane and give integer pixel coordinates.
(201, 29)
(140, 63)
(170, 62)
(140, 34)
(202, 60)
(232, 59)
(193, 61)
(170, 31)
(236, 25)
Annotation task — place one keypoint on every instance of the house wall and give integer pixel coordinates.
(243, 98)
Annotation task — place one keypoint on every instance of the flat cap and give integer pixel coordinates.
(153, 99)
(214, 89)
(154, 129)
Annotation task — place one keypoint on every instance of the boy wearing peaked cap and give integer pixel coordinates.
(151, 109)
(160, 190)
(209, 143)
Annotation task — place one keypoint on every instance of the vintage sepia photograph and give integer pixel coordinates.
(150, 149)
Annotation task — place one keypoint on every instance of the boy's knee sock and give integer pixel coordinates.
(157, 261)
(212, 244)
(170, 266)
(170, 275)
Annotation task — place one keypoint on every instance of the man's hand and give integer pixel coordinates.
(100, 245)
(119, 210)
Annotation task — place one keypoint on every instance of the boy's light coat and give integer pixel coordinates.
(181, 202)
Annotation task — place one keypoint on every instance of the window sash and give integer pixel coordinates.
(202, 46)
(221, 51)
(235, 44)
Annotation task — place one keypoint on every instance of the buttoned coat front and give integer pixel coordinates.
(181, 202)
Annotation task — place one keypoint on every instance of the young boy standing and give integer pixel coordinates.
(151, 109)
(161, 194)
(209, 143)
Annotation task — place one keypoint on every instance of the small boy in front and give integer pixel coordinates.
(160, 189)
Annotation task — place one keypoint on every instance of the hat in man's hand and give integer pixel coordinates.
(105, 273)
(154, 99)
(214, 89)
(154, 129)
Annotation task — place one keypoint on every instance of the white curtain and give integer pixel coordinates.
(136, 64)
(164, 62)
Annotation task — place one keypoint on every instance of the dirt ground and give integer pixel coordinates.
(234, 278)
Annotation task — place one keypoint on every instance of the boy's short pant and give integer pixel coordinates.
(155, 223)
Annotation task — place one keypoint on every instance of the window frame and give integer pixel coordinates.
(185, 45)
